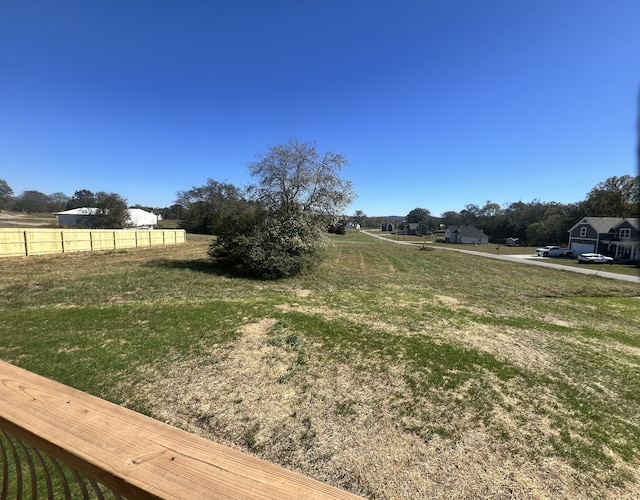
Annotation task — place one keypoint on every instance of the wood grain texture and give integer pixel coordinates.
(135, 455)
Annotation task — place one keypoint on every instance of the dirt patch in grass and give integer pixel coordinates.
(457, 304)
(351, 315)
(523, 349)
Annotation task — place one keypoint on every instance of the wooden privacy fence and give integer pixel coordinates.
(35, 241)
(58, 442)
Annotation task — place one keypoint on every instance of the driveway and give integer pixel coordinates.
(524, 259)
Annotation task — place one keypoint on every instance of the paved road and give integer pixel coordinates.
(525, 259)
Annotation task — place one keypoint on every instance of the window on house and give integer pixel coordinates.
(625, 232)
(624, 253)
(583, 231)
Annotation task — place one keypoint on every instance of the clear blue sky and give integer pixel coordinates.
(435, 104)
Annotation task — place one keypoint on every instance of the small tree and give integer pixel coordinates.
(58, 201)
(6, 196)
(32, 202)
(82, 198)
(285, 231)
(452, 219)
(204, 208)
(615, 197)
(419, 215)
(295, 177)
(112, 211)
(538, 233)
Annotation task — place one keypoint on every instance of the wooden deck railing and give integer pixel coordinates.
(45, 426)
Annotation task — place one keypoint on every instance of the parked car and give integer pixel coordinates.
(594, 258)
(554, 251)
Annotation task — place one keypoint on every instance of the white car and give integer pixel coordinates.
(593, 258)
(554, 251)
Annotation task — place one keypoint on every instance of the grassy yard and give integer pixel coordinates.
(494, 249)
(390, 372)
(17, 219)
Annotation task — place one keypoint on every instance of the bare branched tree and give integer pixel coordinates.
(296, 177)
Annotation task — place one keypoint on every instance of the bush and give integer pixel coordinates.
(264, 245)
(337, 228)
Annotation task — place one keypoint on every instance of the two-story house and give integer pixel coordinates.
(625, 245)
(613, 236)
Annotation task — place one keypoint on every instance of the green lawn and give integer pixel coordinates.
(17, 219)
(494, 249)
(390, 372)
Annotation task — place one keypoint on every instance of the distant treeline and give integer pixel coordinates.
(201, 210)
(534, 222)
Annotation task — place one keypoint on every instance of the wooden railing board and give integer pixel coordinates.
(135, 455)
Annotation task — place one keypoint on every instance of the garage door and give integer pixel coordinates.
(582, 247)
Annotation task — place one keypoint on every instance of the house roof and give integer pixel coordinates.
(137, 216)
(470, 232)
(600, 224)
(79, 211)
(633, 222)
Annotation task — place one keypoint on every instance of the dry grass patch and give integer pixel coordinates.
(273, 393)
(525, 349)
(455, 303)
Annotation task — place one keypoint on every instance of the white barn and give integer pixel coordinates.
(142, 219)
(138, 218)
(75, 216)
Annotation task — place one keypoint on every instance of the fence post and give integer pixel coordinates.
(26, 244)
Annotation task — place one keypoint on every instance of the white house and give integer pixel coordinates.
(138, 218)
(466, 234)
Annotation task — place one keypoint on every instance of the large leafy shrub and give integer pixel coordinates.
(259, 244)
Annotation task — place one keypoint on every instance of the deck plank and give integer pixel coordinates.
(136, 455)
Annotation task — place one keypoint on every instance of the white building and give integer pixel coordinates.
(142, 219)
(466, 234)
(138, 218)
